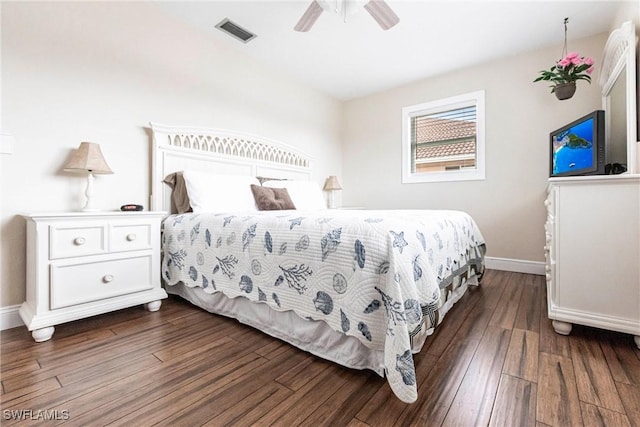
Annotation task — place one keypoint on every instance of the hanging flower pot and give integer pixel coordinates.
(564, 74)
(564, 90)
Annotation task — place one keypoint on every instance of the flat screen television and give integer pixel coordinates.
(578, 148)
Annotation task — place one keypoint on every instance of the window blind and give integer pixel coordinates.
(444, 140)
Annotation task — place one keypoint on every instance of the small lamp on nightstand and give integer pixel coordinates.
(331, 185)
(88, 159)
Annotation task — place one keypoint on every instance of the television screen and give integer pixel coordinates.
(576, 149)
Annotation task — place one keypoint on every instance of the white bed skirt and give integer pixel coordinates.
(313, 336)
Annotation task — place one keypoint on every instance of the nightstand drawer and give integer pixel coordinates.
(73, 284)
(77, 240)
(130, 237)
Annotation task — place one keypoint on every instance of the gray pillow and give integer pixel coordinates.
(271, 199)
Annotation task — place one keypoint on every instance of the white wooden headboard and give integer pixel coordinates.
(178, 148)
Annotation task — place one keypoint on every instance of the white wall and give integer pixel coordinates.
(508, 204)
(100, 71)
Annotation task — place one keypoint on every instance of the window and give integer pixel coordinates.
(444, 140)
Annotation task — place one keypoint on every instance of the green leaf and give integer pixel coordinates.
(587, 78)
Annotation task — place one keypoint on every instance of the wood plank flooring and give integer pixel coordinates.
(494, 361)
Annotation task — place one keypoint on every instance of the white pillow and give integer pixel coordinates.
(220, 193)
(306, 195)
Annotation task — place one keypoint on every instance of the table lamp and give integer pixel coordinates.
(331, 185)
(88, 158)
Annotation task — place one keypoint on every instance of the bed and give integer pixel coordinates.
(362, 288)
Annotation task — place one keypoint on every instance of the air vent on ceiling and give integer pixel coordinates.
(235, 30)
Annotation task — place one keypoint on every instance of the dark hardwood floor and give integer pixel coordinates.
(494, 361)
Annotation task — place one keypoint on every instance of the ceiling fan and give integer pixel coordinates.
(378, 9)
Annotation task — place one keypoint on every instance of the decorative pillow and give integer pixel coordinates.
(306, 195)
(271, 199)
(179, 192)
(220, 193)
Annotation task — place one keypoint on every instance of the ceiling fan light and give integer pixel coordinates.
(382, 13)
(341, 7)
(378, 9)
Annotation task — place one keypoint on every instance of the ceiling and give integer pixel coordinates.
(356, 58)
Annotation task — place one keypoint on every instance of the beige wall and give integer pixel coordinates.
(89, 71)
(629, 10)
(508, 204)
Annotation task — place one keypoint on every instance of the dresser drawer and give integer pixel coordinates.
(68, 241)
(129, 237)
(75, 283)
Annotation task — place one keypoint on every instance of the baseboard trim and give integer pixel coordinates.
(515, 265)
(10, 317)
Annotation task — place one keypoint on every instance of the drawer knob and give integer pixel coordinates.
(131, 237)
(107, 278)
(79, 241)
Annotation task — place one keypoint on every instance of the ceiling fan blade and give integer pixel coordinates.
(382, 13)
(309, 17)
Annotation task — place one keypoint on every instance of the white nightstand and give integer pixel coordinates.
(82, 264)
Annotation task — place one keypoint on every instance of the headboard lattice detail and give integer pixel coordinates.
(237, 147)
(179, 148)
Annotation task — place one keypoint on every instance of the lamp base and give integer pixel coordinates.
(332, 201)
(88, 207)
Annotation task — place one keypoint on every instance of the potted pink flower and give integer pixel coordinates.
(566, 72)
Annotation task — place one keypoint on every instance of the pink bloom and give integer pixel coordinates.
(588, 60)
(564, 62)
(590, 70)
(572, 55)
(576, 61)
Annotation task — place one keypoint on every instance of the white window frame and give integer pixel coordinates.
(465, 174)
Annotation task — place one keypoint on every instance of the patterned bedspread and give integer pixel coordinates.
(380, 276)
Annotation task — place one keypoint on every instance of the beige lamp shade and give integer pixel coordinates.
(332, 184)
(88, 158)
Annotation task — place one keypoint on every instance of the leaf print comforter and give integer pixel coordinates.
(379, 276)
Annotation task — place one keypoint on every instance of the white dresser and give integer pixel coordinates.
(82, 264)
(593, 253)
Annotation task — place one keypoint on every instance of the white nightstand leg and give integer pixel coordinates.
(153, 305)
(42, 334)
(562, 328)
